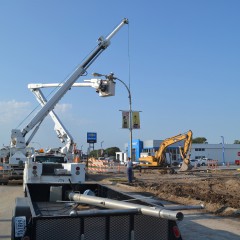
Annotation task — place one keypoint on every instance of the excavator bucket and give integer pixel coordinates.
(185, 167)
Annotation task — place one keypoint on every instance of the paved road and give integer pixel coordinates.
(7, 202)
(196, 225)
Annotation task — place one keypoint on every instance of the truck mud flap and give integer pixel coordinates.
(21, 216)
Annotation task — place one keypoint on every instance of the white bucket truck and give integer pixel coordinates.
(52, 168)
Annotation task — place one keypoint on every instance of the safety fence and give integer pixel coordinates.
(104, 166)
(212, 164)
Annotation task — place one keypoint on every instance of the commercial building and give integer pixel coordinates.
(225, 154)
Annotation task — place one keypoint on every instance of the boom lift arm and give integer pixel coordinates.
(62, 133)
(18, 136)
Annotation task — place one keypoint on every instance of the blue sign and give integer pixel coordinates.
(91, 137)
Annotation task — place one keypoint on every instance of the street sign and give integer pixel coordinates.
(91, 137)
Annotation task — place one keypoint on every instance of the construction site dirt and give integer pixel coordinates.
(217, 190)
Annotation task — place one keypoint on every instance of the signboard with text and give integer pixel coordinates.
(91, 137)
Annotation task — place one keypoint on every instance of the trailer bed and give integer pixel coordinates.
(53, 219)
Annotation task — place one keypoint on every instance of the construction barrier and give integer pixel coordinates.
(103, 166)
(212, 164)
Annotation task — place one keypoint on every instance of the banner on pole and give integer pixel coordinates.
(135, 120)
(125, 119)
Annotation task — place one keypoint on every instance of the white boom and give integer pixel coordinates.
(62, 133)
(18, 142)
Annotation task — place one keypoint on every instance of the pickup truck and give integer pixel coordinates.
(64, 211)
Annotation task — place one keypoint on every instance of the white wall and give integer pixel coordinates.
(215, 152)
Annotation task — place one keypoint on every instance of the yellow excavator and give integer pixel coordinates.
(159, 160)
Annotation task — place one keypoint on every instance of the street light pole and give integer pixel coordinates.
(223, 163)
(130, 114)
(81, 151)
(102, 148)
(110, 77)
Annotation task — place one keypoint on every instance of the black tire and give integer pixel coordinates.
(139, 168)
(171, 171)
(13, 229)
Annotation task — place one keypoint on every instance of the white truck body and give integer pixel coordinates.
(44, 168)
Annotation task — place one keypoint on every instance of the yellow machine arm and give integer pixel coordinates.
(184, 151)
(160, 155)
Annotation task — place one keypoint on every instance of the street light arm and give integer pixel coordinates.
(111, 77)
(130, 114)
(129, 92)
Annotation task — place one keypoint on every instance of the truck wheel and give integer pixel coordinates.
(171, 171)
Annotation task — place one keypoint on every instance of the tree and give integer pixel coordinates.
(108, 151)
(111, 151)
(236, 142)
(199, 140)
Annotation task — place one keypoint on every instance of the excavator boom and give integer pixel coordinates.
(160, 155)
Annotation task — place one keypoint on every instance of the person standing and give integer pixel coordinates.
(129, 170)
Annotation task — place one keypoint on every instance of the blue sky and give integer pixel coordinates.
(180, 57)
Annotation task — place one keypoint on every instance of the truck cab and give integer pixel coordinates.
(52, 168)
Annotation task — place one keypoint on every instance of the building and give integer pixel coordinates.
(225, 154)
(149, 147)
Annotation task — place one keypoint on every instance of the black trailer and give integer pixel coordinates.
(89, 211)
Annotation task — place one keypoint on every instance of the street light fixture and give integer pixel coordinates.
(223, 163)
(81, 150)
(111, 77)
(102, 148)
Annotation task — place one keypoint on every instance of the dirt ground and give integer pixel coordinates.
(217, 190)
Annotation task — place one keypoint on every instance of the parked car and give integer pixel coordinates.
(203, 161)
(195, 162)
